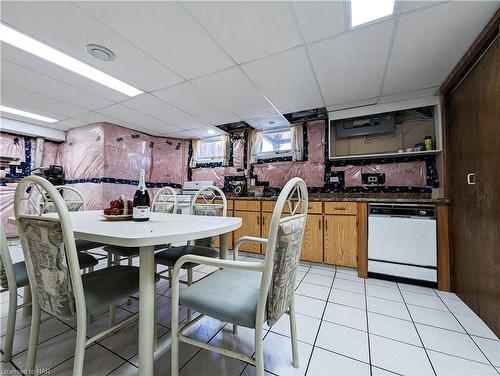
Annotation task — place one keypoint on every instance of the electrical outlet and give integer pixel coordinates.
(252, 182)
(334, 179)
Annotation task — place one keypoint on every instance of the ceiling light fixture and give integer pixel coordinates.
(363, 11)
(30, 115)
(211, 131)
(100, 52)
(28, 44)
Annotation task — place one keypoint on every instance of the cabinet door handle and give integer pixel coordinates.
(326, 224)
(471, 179)
(340, 208)
(258, 220)
(319, 224)
(263, 221)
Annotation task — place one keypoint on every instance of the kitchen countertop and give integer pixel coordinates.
(358, 197)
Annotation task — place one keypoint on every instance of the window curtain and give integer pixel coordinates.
(297, 136)
(196, 153)
(226, 149)
(255, 145)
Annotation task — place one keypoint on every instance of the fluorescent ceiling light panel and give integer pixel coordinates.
(363, 11)
(28, 44)
(30, 115)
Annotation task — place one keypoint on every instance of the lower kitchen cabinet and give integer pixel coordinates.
(312, 243)
(250, 227)
(341, 240)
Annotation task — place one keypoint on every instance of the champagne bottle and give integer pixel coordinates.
(142, 207)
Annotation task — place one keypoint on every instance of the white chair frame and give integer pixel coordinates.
(20, 198)
(61, 189)
(294, 186)
(12, 288)
(166, 192)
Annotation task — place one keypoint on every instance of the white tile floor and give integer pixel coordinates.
(346, 326)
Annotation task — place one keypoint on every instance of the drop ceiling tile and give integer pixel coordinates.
(166, 31)
(430, 42)
(409, 6)
(235, 91)
(350, 67)
(18, 76)
(155, 107)
(46, 68)
(192, 100)
(73, 31)
(70, 123)
(320, 19)
(138, 119)
(248, 30)
(29, 101)
(287, 80)
(268, 122)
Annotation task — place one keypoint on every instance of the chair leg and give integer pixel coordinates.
(91, 316)
(174, 347)
(110, 259)
(235, 329)
(33, 343)
(293, 334)
(259, 350)
(129, 263)
(169, 276)
(112, 315)
(156, 317)
(81, 331)
(190, 282)
(11, 325)
(27, 299)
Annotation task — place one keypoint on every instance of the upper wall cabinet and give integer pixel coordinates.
(395, 129)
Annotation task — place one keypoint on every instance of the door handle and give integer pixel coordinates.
(471, 178)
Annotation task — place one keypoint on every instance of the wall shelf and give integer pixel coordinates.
(385, 155)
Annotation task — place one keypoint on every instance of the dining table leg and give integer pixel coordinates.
(146, 310)
(223, 245)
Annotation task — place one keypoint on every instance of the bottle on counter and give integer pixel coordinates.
(142, 208)
(428, 142)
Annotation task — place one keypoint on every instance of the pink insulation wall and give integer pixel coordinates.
(112, 156)
(217, 174)
(312, 170)
(402, 174)
(50, 153)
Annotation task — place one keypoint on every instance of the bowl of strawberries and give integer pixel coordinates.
(119, 210)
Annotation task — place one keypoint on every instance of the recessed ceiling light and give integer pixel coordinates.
(30, 115)
(363, 11)
(39, 49)
(211, 131)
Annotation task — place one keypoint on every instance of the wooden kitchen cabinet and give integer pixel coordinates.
(341, 240)
(251, 226)
(312, 243)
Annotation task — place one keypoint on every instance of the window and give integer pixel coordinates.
(363, 11)
(275, 143)
(210, 150)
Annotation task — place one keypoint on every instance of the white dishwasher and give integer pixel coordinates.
(402, 242)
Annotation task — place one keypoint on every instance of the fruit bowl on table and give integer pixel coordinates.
(119, 210)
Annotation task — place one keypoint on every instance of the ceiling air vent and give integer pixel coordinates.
(100, 52)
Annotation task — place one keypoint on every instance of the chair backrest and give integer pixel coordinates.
(283, 249)
(49, 250)
(207, 202)
(165, 201)
(72, 198)
(7, 276)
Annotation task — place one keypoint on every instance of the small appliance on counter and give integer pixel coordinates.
(402, 243)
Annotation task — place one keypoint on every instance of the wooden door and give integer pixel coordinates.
(250, 227)
(473, 145)
(312, 243)
(341, 240)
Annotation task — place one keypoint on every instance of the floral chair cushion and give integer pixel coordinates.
(286, 260)
(214, 210)
(43, 246)
(163, 207)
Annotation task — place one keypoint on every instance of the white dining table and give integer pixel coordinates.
(162, 228)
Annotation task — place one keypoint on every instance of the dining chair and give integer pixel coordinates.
(74, 201)
(12, 277)
(204, 202)
(57, 286)
(248, 293)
